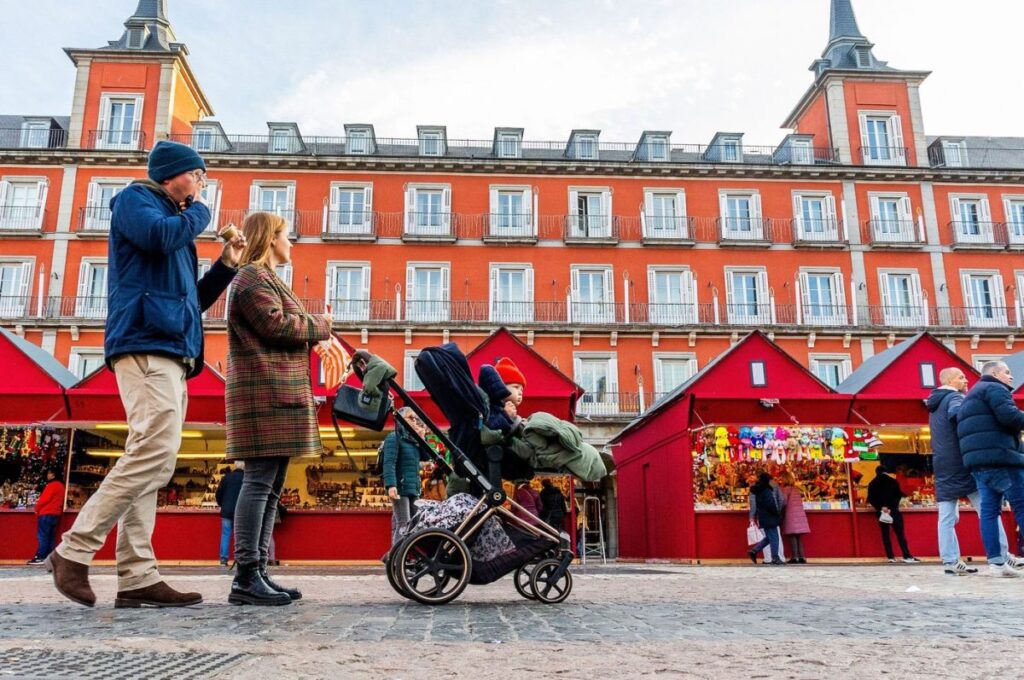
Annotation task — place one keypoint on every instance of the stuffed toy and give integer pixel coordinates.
(722, 444)
(838, 443)
(779, 451)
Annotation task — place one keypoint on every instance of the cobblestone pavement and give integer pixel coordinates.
(620, 621)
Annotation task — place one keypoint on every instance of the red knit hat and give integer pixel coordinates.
(509, 372)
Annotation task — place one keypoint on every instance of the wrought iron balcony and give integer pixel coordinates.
(510, 227)
(822, 232)
(27, 138)
(339, 225)
(894, 316)
(429, 226)
(94, 219)
(16, 307)
(745, 231)
(893, 233)
(986, 158)
(118, 140)
(601, 404)
(976, 234)
(667, 229)
(88, 308)
(883, 155)
(20, 219)
(591, 229)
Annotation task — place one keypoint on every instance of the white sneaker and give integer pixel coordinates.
(1015, 562)
(910, 560)
(958, 568)
(1004, 571)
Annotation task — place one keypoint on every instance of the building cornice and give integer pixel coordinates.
(841, 75)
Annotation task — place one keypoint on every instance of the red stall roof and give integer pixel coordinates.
(547, 388)
(96, 399)
(754, 381)
(33, 384)
(890, 387)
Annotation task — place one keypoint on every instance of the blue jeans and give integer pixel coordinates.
(994, 485)
(771, 538)
(46, 534)
(227, 524)
(949, 515)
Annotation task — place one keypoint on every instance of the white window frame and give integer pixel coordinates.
(22, 218)
(658, 149)
(954, 154)
(427, 309)
(17, 305)
(348, 310)
(442, 226)
(31, 128)
(731, 225)
(507, 140)
(333, 214)
(985, 227)
(410, 380)
(845, 364)
(764, 305)
(88, 306)
(904, 230)
(291, 142)
(207, 133)
(979, 360)
(512, 225)
(285, 272)
(652, 226)
(80, 355)
(730, 150)
(837, 315)
(801, 152)
(977, 315)
(1014, 228)
(358, 141)
(585, 147)
(107, 100)
(211, 196)
(830, 231)
(431, 137)
(659, 358)
(917, 311)
(511, 311)
(98, 213)
(895, 153)
(588, 312)
(595, 404)
(683, 312)
(256, 190)
(589, 225)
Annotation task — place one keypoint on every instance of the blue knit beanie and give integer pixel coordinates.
(491, 383)
(169, 159)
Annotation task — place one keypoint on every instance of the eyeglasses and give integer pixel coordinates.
(199, 176)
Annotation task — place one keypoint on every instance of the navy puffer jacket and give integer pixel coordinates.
(952, 480)
(989, 425)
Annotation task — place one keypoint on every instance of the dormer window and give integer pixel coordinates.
(508, 145)
(586, 147)
(863, 56)
(279, 140)
(136, 38)
(431, 142)
(202, 138)
(657, 148)
(359, 141)
(954, 154)
(730, 150)
(35, 134)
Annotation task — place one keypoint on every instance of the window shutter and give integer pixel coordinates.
(609, 286)
(999, 295)
(290, 200)
(798, 214)
(330, 295)
(954, 208)
(83, 282)
(364, 293)
(368, 204)
(23, 285)
(493, 203)
(876, 208)
(493, 293)
(986, 212)
(762, 288)
(410, 208)
(839, 295)
(534, 219)
(906, 208)
(681, 204)
(528, 207)
(43, 190)
(5, 190)
(573, 203)
(575, 285)
(646, 208)
(577, 369)
(915, 287)
(965, 286)
(729, 294)
(896, 123)
(865, 141)
(410, 286)
(830, 210)
(335, 200)
(755, 206)
(723, 205)
(254, 197)
(529, 294)
(446, 207)
(606, 207)
(137, 119)
(883, 282)
(804, 294)
(690, 279)
(613, 377)
(101, 124)
(652, 288)
(446, 295)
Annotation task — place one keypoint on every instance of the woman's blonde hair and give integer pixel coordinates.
(787, 478)
(260, 229)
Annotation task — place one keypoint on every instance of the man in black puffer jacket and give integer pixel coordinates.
(989, 426)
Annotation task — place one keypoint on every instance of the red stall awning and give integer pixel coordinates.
(890, 387)
(95, 399)
(33, 383)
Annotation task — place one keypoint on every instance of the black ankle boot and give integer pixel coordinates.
(250, 588)
(292, 593)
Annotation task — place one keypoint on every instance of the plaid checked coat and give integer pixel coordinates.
(269, 395)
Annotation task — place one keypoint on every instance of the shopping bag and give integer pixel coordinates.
(754, 534)
(885, 517)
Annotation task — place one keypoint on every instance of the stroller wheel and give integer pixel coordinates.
(392, 568)
(550, 586)
(436, 566)
(522, 580)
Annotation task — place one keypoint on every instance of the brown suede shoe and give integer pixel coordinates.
(71, 579)
(157, 595)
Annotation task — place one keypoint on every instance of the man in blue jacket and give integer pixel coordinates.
(153, 343)
(952, 480)
(989, 426)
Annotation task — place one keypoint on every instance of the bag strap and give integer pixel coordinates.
(337, 430)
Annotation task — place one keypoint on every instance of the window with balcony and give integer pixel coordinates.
(972, 220)
(509, 145)
(15, 282)
(671, 371)
(747, 297)
(410, 380)
(274, 197)
(428, 210)
(91, 302)
(348, 290)
(351, 210)
(35, 134)
(511, 212)
(119, 122)
(664, 215)
(954, 154)
(822, 299)
(85, 360)
(590, 214)
(97, 206)
(741, 216)
(902, 298)
(592, 295)
(815, 218)
(427, 292)
(892, 220)
(598, 375)
(21, 204)
(831, 369)
(985, 300)
(1013, 207)
(511, 293)
(882, 139)
(211, 196)
(672, 296)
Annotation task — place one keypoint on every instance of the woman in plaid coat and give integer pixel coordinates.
(271, 416)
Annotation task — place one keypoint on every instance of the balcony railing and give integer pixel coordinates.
(1014, 233)
(343, 224)
(896, 316)
(986, 316)
(884, 232)
(883, 155)
(94, 219)
(26, 138)
(83, 308)
(20, 218)
(595, 312)
(584, 229)
(750, 314)
(818, 232)
(746, 230)
(667, 228)
(608, 404)
(122, 140)
(510, 227)
(429, 225)
(977, 158)
(671, 313)
(15, 307)
(975, 233)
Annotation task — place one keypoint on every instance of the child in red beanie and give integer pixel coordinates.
(515, 381)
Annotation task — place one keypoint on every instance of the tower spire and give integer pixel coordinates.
(148, 29)
(843, 22)
(847, 48)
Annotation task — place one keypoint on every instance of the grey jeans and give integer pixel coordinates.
(401, 511)
(256, 509)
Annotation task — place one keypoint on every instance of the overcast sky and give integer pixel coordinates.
(690, 66)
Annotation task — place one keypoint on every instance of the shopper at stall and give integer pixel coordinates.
(153, 342)
(989, 426)
(227, 499)
(529, 500)
(552, 504)
(271, 416)
(767, 506)
(952, 480)
(884, 495)
(400, 469)
(794, 517)
(49, 510)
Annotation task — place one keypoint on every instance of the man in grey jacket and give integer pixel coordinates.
(952, 480)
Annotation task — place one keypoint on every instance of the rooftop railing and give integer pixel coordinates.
(29, 138)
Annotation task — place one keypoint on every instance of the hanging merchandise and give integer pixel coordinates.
(873, 443)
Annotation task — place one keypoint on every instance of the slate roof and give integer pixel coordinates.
(874, 366)
(982, 152)
(46, 361)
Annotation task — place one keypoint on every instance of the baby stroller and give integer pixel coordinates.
(435, 560)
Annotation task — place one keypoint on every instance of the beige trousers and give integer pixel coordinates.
(153, 393)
